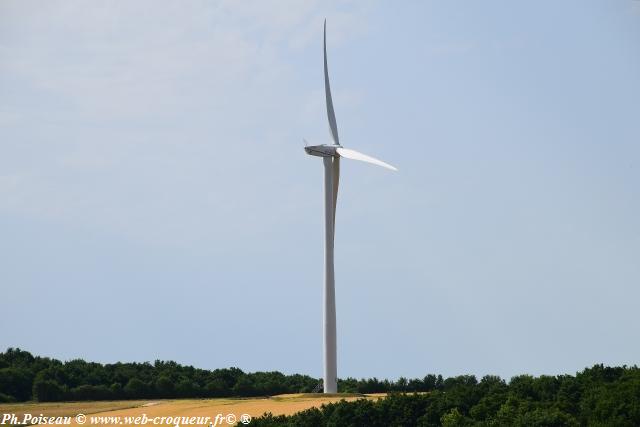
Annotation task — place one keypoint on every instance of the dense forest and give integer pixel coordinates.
(24, 377)
(597, 396)
(603, 396)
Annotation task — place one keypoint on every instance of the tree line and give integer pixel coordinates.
(597, 396)
(25, 377)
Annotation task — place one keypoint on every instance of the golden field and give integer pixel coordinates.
(277, 405)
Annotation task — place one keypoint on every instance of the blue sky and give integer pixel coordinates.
(156, 201)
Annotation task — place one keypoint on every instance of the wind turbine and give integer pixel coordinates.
(331, 154)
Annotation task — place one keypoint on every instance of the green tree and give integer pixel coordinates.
(244, 387)
(136, 389)
(164, 386)
(187, 388)
(16, 382)
(454, 418)
(48, 391)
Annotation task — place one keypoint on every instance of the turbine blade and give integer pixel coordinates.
(331, 115)
(355, 155)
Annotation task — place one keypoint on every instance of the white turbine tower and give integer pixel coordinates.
(331, 154)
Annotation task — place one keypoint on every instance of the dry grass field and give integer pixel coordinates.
(282, 404)
(59, 409)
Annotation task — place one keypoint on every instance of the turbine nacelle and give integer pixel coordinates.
(323, 150)
(332, 150)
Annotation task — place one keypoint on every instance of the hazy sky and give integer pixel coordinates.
(156, 201)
